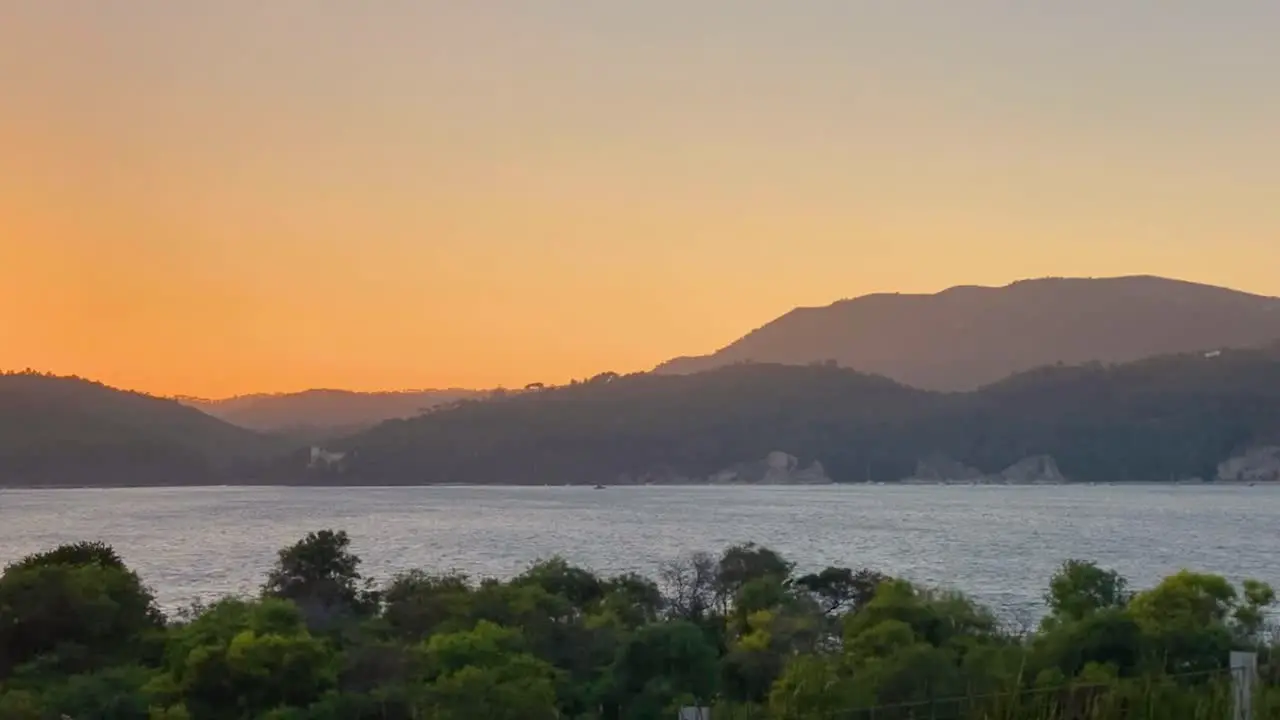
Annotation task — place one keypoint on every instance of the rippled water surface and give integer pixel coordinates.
(999, 544)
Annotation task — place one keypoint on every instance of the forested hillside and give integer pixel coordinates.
(1161, 419)
(1173, 417)
(69, 431)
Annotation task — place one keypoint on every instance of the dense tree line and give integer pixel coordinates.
(81, 637)
(1155, 420)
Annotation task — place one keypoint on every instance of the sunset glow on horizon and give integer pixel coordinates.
(213, 199)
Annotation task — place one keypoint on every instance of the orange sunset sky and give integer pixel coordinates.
(215, 198)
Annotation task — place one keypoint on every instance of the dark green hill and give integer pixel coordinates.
(1172, 417)
(636, 424)
(69, 431)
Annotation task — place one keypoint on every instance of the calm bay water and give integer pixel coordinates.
(999, 544)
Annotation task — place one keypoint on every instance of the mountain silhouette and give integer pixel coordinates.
(966, 337)
(322, 414)
(70, 431)
(1172, 417)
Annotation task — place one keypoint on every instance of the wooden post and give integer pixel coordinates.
(1244, 678)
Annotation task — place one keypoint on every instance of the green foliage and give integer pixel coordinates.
(909, 644)
(20, 705)
(250, 656)
(74, 609)
(487, 673)
(417, 604)
(840, 590)
(1109, 637)
(557, 577)
(631, 599)
(660, 666)
(742, 564)
(321, 575)
(1080, 588)
(1187, 618)
(742, 633)
(118, 693)
(80, 553)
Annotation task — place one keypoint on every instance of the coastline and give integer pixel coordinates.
(911, 482)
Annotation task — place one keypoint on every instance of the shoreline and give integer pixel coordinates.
(597, 486)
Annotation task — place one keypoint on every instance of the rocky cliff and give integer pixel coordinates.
(778, 468)
(1034, 470)
(1260, 464)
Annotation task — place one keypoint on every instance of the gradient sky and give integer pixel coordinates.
(214, 198)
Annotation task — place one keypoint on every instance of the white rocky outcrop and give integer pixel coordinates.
(324, 459)
(1259, 464)
(1034, 470)
(777, 468)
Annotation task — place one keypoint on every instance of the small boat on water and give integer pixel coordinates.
(599, 487)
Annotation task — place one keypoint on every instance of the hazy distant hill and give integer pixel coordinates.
(966, 337)
(69, 431)
(1170, 417)
(322, 414)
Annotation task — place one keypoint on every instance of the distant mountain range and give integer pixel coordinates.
(317, 415)
(966, 337)
(1209, 416)
(1125, 379)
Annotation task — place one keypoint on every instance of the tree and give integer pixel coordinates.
(1251, 615)
(740, 564)
(1195, 619)
(689, 586)
(322, 576)
(580, 587)
(20, 705)
(485, 673)
(909, 644)
(1184, 600)
(769, 623)
(75, 609)
(1107, 637)
(840, 590)
(78, 553)
(79, 636)
(933, 617)
(1080, 588)
(117, 693)
(240, 660)
(816, 686)
(755, 658)
(417, 604)
(635, 600)
(661, 665)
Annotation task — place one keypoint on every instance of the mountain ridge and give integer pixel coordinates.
(1166, 418)
(1176, 417)
(967, 336)
(66, 430)
(323, 413)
